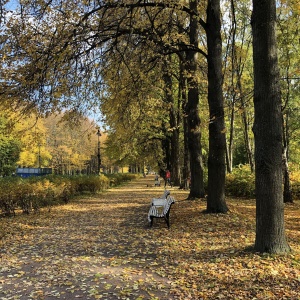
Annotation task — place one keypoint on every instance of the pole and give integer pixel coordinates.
(98, 155)
(39, 157)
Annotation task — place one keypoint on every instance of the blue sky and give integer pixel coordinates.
(12, 4)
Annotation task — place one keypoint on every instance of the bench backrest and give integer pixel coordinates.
(166, 194)
(168, 204)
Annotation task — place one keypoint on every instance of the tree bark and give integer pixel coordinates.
(192, 110)
(173, 165)
(287, 192)
(217, 142)
(186, 156)
(229, 145)
(246, 133)
(270, 231)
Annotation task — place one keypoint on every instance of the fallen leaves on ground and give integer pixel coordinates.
(102, 248)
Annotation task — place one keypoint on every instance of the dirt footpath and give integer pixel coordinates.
(95, 248)
(101, 247)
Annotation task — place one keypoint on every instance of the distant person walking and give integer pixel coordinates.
(157, 181)
(168, 178)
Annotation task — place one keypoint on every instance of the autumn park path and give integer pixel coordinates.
(101, 247)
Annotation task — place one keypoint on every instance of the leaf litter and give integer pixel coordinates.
(101, 247)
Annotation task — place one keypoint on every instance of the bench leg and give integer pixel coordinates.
(151, 222)
(167, 220)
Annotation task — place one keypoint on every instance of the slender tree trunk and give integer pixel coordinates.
(287, 192)
(246, 133)
(237, 67)
(217, 143)
(231, 44)
(192, 110)
(166, 146)
(270, 231)
(174, 151)
(186, 157)
(175, 168)
(229, 146)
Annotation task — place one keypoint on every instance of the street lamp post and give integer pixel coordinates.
(98, 155)
(39, 157)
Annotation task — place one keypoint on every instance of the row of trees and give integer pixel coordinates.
(66, 143)
(53, 142)
(157, 70)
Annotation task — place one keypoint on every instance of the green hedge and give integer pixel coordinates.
(32, 193)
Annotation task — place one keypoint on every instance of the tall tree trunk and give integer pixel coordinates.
(217, 143)
(231, 44)
(287, 192)
(173, 165)
(166, 146)
(270, 231)
(246, 132)
(237, 67)
(192, 110)
(186, 156)
(229, 146)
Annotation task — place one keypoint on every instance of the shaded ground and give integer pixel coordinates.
(102, 248)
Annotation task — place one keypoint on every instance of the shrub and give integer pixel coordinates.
(241, 182)
(8, 195)
(118, 178)
(91, 184)
(33, 193)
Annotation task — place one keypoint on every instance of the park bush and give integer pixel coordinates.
(117, 179)
(89, 184)
(241, 182)
(30, 194)
(8, 193)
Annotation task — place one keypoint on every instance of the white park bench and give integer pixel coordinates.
(160, 208)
